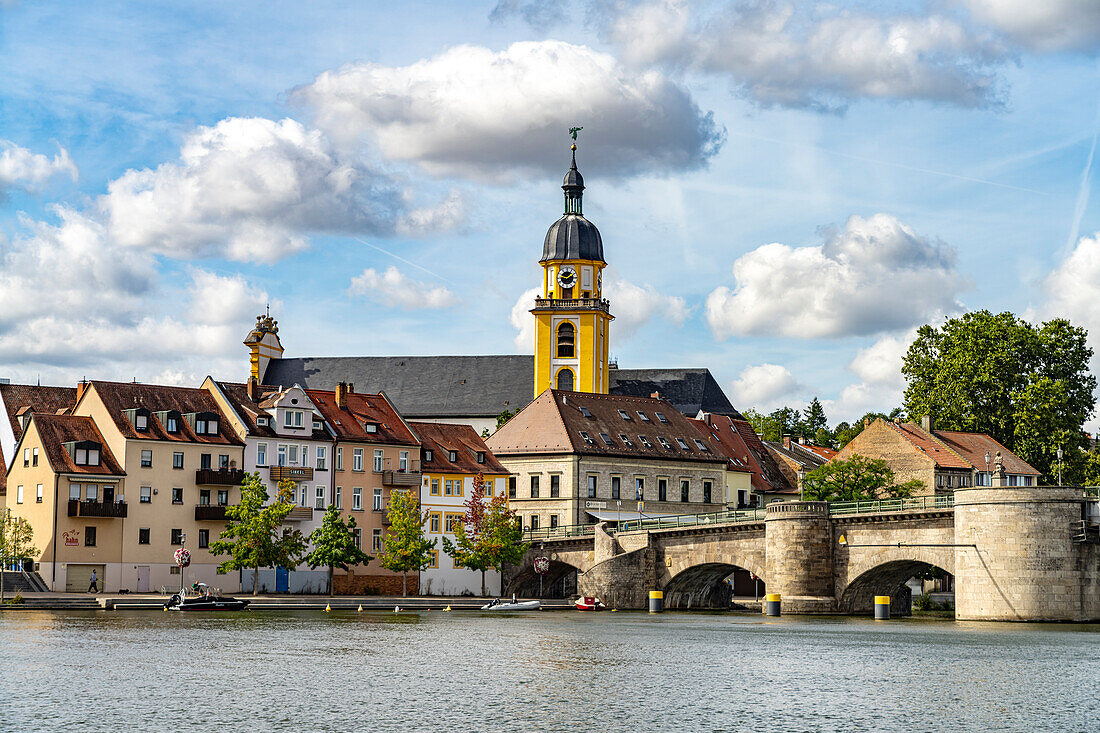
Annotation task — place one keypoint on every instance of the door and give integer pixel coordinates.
(108, 494)
(282, 580)
(142, 578)
(78, 577)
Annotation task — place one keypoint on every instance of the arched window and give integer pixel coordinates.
(565, 380)
(566, 337)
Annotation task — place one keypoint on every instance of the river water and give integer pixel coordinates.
(567, 671)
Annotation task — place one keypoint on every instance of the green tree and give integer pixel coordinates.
(855, 479)
(1027, 386)
(253, 536)
(16, 536)
(813, 418)
(406, 548)
(334, 545)
(765, 426)
(489, 535)
(504, 417)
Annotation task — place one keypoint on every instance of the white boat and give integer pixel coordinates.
(499, 605)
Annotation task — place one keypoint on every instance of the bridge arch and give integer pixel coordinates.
(560, 581)
(701, 586)
(884, 579)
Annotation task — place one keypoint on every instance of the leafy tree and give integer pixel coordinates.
(855, 479)
(1089, 470)
(406, 548)
(845, 433)
(334, 544)
(16, 536)
(1027, 386)
(489, 535)
(764, 425)
(504, 417)
(252, 536)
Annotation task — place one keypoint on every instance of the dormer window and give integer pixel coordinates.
(452, 456)
(84, 452)
(292, 419)
(262, 421)
(172, 425)
(141, 422)
(370, 427)
(139, 418)
(428, 456)
(203, 423)
(481, 456)
(316, 424)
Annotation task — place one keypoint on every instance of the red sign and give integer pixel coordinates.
(72, 538)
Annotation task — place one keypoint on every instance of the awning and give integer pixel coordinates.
(610, 515)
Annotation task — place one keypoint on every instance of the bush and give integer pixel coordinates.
(924, 602)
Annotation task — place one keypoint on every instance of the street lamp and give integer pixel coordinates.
(988, 458)
(1059, 465)
(801, 484)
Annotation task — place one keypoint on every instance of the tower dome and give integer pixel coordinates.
(572, 237)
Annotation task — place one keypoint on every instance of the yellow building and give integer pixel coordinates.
(572, 318)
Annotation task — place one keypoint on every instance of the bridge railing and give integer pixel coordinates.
(557, 533)
(686, 520)
(941, 501)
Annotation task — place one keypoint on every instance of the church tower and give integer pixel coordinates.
(263, 346)
(572, 318)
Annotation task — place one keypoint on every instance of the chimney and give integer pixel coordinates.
(342, 395)
(253, 389)
(656, 395)
(351, 388)
(787, 442)
(927, 424)
(81, 387)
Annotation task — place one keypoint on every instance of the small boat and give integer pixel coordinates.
(513, 605)
(589, 603)
(204, 598)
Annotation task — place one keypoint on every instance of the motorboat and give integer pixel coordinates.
(498, 605)
(202, 597)
(589, 603)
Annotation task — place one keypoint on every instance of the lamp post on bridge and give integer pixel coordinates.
(1059, 464)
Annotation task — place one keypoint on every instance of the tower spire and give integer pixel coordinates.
(573, 185)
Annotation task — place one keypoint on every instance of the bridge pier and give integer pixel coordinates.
(799, 542)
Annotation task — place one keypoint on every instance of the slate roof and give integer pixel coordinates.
(248, 410)
(557, 422)
(56, 430)
(482, 386)
(349, 423)
(572, 237)
(739, 441)
(441, 438)
(120, 396)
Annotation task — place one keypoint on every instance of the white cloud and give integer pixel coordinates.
(875, 274)
(20, 168)
(251, 189)
(1043, 25)
(822, 58)
(882, 385)
(474, 113)
(393, 288)
(763, 387)
(524, 323)
(1072, 289)
(636, 305)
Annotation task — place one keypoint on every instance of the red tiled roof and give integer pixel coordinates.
(441, 438)
(56, 430)
(737, 440)
(18, 397)
(120, 396)
(248, 410)
(349, 423)
(943, 456)
(973, 447)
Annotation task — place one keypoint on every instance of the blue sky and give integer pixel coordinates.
(785, 190)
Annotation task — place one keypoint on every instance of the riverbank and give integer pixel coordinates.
(262, 602)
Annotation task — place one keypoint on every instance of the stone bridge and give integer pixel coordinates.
(1015, 553)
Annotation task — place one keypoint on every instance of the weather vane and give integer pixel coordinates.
(573, 131)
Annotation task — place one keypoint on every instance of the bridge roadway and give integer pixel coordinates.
(1016, 553)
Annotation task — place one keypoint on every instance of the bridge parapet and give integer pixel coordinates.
(779, 509)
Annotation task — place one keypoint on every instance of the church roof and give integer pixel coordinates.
(483, 386)
(572, 237)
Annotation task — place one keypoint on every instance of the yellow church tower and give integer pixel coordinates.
(572, 318)
(263, 346)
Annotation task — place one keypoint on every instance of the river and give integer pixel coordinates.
(567, 671)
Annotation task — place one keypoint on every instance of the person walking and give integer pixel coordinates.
(93, 586)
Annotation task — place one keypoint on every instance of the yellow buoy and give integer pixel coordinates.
(448, 608)
(327, 608)
(360, 607)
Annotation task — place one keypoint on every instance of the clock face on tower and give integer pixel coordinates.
(567, 277)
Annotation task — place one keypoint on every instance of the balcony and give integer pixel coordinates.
(579, 304)
(398, 474)
(209, 513)
(300, 514)
(115, 510)
(219, 476)
(291, 473)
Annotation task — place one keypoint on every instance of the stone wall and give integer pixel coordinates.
(623, 581)
(799, 541)
(879, 440)
(382, 585)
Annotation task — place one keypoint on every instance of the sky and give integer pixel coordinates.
(786, 190)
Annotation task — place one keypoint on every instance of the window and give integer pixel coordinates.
(566, 339)
(481, 456)
(177, 460)
(320, 458)
(319, 498)
(292, 454)
(403, 461)
(616, 486)
(143, 536)
(555, 486)
(93, 456)
(204, 538)
(683, 446)
(448, 487)
(89, 536)
(450, 519)
(204, 461)
(339, 497)
(223, 497)
(664, 442)
(357, 459)
(639, 488)
(452, 456)
(177, 496)
(662, 489)
(147, 459)
(19, 495)
(435, 487)
(303, 496)
(376, 540)
(81, 457)
(702, 446)
(434, 562)
(642, 416)
(358, 538)
(511, 487)
(427, 456)
(626, 440)
(26, 458)
(34, 457)
(377, 500)
(685, 490)
(587, 438)
(553, 521)
(565, 380)
(625, 415)
(435, 520)
(606, 439)
(534, 521)
(339, 459)
(586, 412)
(146, 495)
(292, 419)
(661, 417)
(357, 499)
(706, 492)
(74, 492)
(204, 497)
(378, 461)
(91, 492)
(261, 454)
(141, 422)
(534, 487)
(591, 487)
(177, 537)
(370, 427)
(172, 424)
(262, 421)
(38, 494)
